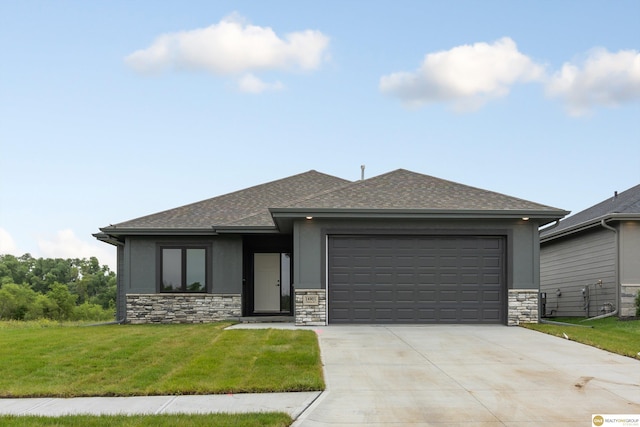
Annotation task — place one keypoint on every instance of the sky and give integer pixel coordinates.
(111, 110)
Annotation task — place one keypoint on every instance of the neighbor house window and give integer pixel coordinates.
(183, 269)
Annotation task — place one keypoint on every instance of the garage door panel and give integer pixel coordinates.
(490, 296)
(491, 279)
(416, 279)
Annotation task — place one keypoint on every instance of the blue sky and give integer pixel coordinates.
(114, 110)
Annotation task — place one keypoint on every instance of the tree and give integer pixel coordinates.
(15, 270)
(64, 301)
(15, 301)
(54, 287)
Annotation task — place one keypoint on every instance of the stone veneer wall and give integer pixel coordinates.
(310, 314)
(523, 306)
(182, 308)
(628, 300)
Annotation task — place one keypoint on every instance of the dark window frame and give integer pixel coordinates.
(183, 262)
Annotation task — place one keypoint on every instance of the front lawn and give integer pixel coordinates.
(212, 420)
(128, 360)
(611, 334)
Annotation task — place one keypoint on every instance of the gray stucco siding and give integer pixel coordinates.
(310, 244)
(308, 256)
(227, 265)
(141, 263)
(121, 303)
(575, 263)
(525, 257)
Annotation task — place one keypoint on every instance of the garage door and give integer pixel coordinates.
(416, 279)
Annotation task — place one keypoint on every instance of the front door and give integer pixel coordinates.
(271, 282)
(266, 282)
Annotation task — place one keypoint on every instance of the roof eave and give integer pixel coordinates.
(585, 225)
(125, 231)
(246, 229)
(115, 232)
(545, 216)
(104, 237)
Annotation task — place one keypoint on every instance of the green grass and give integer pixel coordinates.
(617, 336)
(40, 360)
(212, 420)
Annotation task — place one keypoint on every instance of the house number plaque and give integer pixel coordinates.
(310, 299)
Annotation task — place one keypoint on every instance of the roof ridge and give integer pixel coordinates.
(628, 198)
(293, 200)
(341, 187)
(465, 185)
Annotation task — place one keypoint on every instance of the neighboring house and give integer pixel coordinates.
(590, 261)
(397, 248)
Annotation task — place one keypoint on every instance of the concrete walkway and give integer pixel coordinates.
(291, 403)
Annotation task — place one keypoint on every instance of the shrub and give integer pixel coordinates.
(89, 311)
(64, 301)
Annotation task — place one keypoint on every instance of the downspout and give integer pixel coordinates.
(617, 274)
(540, 314)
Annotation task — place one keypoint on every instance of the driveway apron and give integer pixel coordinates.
(448, 375)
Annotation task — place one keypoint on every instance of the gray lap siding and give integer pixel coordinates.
(576, 263)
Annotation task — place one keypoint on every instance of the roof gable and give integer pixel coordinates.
(625, 203)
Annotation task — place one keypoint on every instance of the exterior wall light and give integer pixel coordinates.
(309, 217)
(525, 218)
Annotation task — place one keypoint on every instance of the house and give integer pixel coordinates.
(590, 261)
(401, 247)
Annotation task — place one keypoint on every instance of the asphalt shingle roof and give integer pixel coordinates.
(396, 190)
(229, 209)
(403, 189)
(627, 202)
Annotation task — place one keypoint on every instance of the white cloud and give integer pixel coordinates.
(467, 76)
(252, 84)
(232, 47)
(603, 79)
(7, 244)
(66, 244)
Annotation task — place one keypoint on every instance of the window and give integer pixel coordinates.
(183, 269)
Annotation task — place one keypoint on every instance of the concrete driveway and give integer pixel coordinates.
(467, 375)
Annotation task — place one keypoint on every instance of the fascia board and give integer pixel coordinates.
(115, 231)
(414, 213)
(242, 230)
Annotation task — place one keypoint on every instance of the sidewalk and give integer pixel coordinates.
(291, 403)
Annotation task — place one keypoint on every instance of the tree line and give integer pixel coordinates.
(57, 289)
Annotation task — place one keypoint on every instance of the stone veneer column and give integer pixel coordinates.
(182, 308)
(523, 306)
(310, 307)
(628, 300)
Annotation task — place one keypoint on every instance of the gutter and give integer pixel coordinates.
(551, 227)
(544, 217)
(604, 224)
